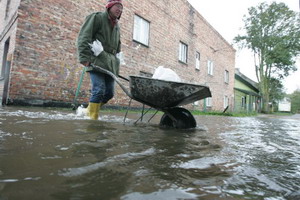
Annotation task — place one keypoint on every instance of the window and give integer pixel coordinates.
(141, 30)
(4, 60)
(210, 67)
(226, 76)
(197, 60)
(208, 102)
(226, 101)
(244, 102)
(183, 48)
(7, 8)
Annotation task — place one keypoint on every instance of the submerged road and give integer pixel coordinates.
(53, 154)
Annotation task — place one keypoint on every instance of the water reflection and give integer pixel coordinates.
(48, 154)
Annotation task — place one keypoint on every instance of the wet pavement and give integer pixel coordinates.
(54, 154)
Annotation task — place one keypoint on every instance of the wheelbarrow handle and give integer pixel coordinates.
(75, 102)
(100, 69)
(122, 77)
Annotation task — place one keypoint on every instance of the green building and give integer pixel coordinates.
(246, 94)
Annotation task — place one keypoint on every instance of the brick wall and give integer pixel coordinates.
(45, 65)
(8, 21)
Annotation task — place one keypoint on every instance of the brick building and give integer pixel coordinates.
(38, 49)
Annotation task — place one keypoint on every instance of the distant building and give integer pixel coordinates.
(246, 94)
(285, 105)
(40, 37)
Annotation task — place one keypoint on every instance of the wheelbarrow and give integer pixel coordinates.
(165, 96)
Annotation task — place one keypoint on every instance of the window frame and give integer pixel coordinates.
(139, 30)
(210, 67)
(226, 101)
(208, 102)
(244, 102)
(198, 58)
(226, 76)
(183, 52)
(7, 9)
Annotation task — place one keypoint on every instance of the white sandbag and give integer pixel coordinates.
(166, 74)
(81, 111)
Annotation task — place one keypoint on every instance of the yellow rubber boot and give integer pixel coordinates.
(93, 110)
(102, 104)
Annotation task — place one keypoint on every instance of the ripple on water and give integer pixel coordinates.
(201, 163)
(55, 115)
(17, 180)
(266, 151)
(109, 161)
(170, 194)
(3, 135)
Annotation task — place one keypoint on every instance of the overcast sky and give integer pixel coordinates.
(226, 17)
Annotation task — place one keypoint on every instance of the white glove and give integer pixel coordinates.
(96, 47)
(120, 56)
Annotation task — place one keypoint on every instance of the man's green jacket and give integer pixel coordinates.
(98, 26)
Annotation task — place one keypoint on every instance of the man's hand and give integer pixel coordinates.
(86, 64)
(96, 47)
(120, 56)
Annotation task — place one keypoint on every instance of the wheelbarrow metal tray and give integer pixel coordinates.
(162, 94)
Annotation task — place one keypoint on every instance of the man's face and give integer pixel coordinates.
(116, 11)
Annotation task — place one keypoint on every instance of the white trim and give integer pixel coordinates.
(210, 67)
(183, 48)
(141, 30)
(198, 56)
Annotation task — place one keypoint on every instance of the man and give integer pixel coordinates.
(99, 43)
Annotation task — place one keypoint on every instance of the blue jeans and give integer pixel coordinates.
(102, 87)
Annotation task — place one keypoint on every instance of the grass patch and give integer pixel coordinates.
(282, 113)
(230, 114)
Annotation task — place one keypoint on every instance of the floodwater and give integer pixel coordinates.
(54, 154)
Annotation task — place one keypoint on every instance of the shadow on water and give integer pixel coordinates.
(46, 154)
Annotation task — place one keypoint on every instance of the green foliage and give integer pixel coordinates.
(272, 34)
(295, 101)
(276, 90)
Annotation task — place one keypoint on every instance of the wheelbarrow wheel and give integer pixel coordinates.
(183, 118)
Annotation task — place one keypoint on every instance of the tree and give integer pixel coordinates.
(276, 92)
(295, 101)
(272, 34)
